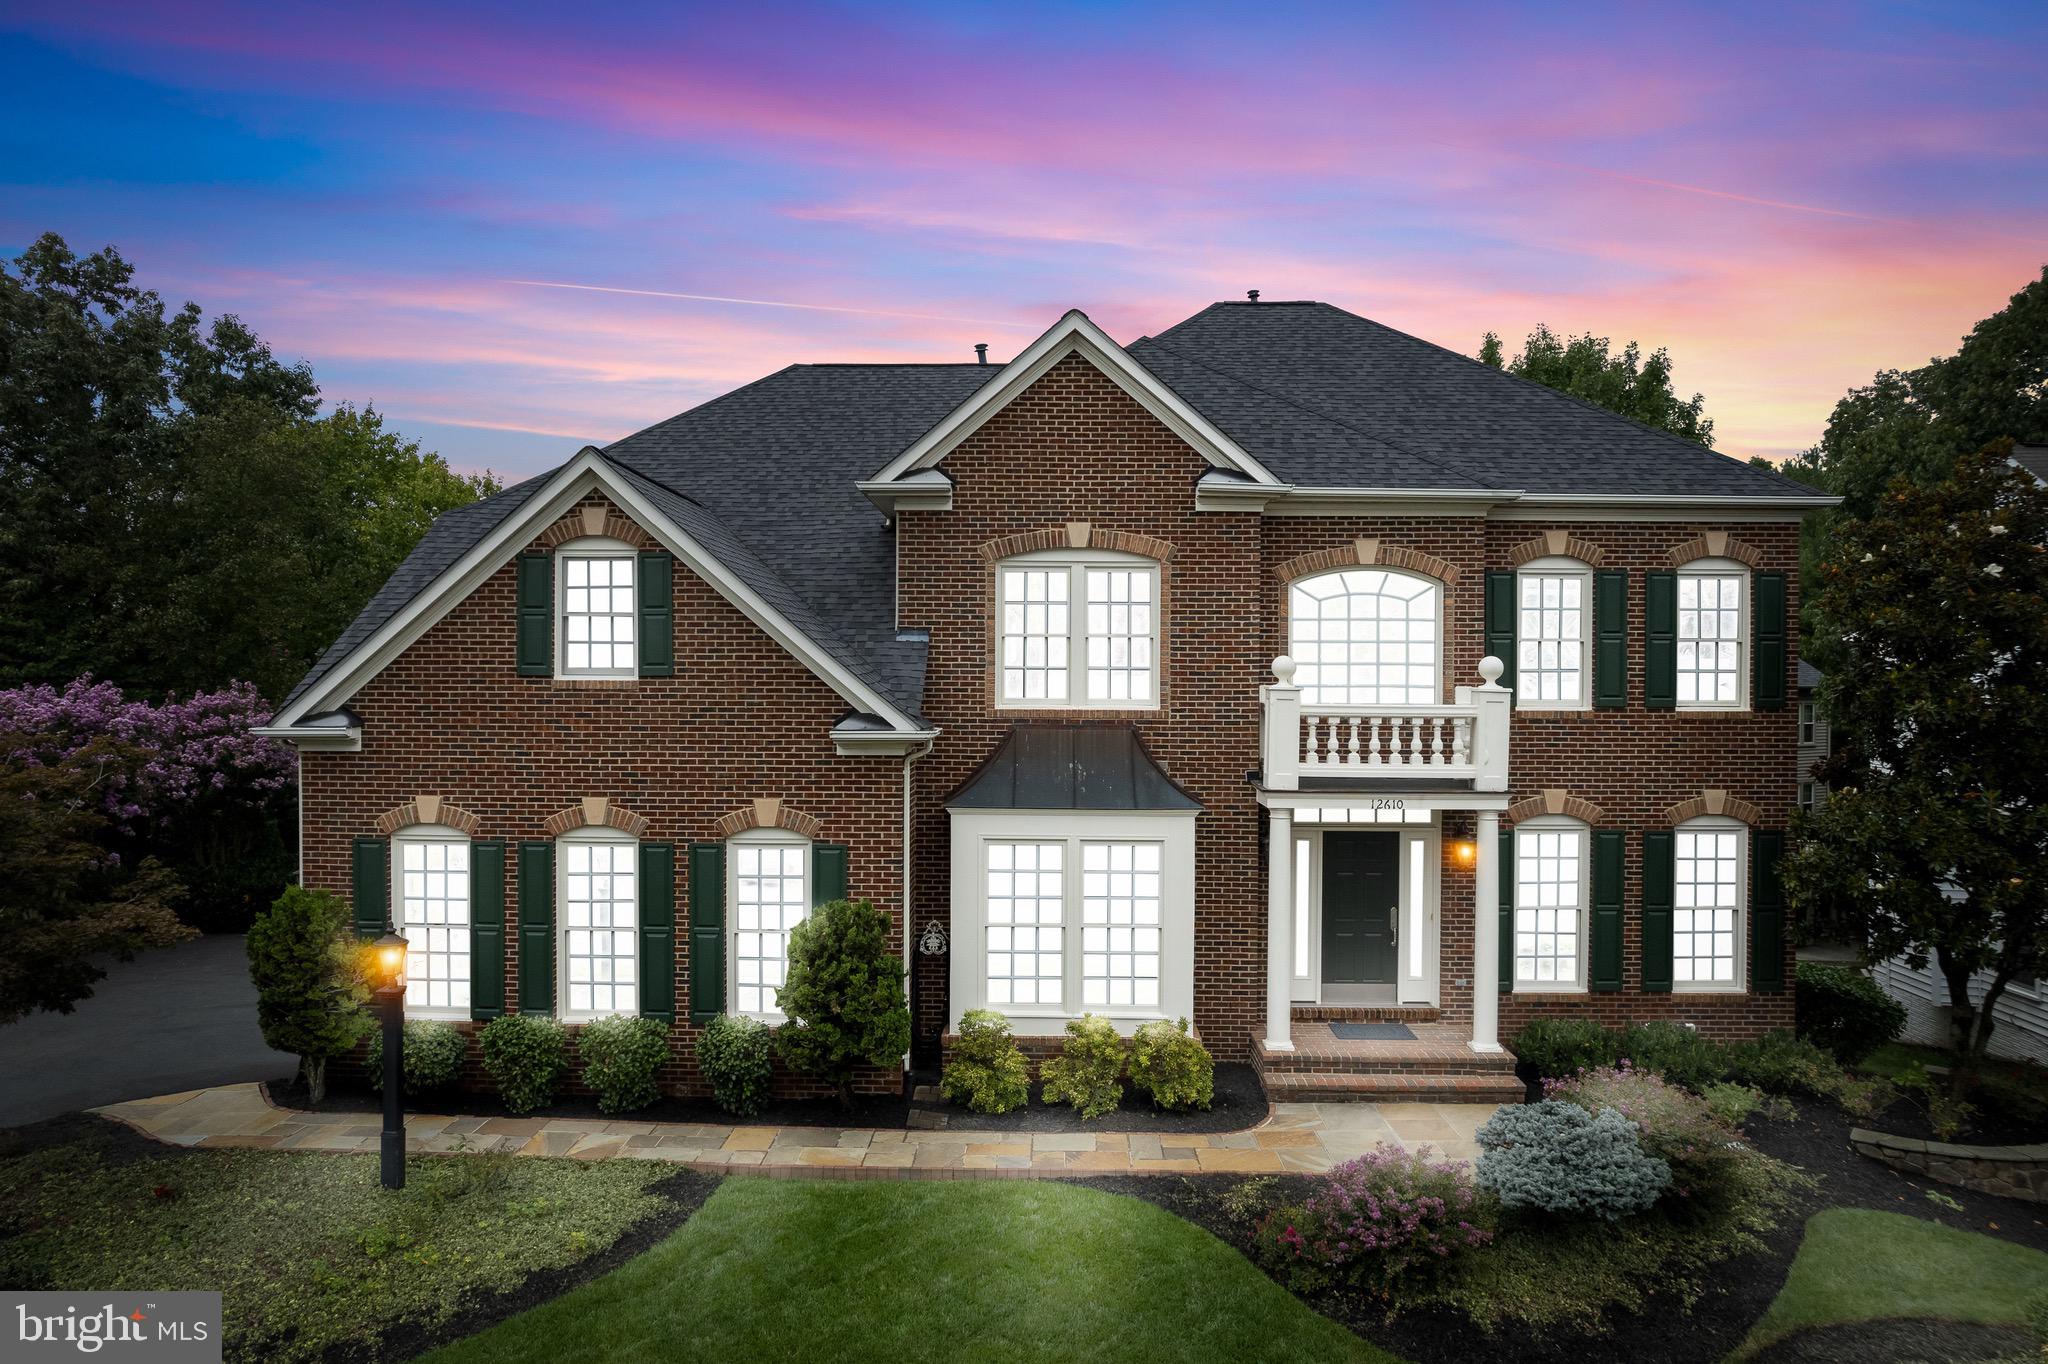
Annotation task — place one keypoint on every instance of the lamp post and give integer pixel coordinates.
(390, 959)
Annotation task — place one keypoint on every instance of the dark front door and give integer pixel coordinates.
(1361, 886)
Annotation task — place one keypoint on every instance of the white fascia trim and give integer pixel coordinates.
(1214, 492)
(1074, 334)
(314, 738)
(588, 471)
(1306, 501)
(1661, 507)
(894, 743)
(925, 490)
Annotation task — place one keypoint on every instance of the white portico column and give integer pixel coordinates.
(1486, 936)
(1280, 930)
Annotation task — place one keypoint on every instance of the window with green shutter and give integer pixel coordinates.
(1500, 621)
(1658, 883)
(1766, 912)
(658, 931)
(1770, 657)
(486, 928)
(1610, 641)
(707, 931)
(1604, 961)
(535, 648)
(657, 614)
(537, 928)
(1660, 641)
(370, 886)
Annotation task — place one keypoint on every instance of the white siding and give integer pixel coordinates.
(2022, 1017)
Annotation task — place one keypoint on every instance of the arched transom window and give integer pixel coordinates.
(1367, 636)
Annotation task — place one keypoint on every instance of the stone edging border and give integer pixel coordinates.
(2004, 1171)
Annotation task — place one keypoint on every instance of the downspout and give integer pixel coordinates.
(909, 967)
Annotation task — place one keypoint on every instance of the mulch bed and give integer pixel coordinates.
(1991, 1126)
(869, 1110)
(1240, 1103)
(1923, 1342)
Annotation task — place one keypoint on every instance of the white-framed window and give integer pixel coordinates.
(430, 903)
(1713, 624)
(1806, 726)
(1026, 939)
(768, 892)
(1078, 629)
(596, 609)
(1553, 624)
(1806, 796)
(1552, 859)
(1367, 636)
(597, 953)
(1709, 904)
(1121, 906)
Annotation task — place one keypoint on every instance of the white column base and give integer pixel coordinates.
(1485, 1047)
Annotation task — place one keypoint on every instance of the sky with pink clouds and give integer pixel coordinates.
(1788, 197)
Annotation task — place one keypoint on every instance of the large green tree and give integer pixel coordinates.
(1630, 383)
(175, 510)
(1935, 842)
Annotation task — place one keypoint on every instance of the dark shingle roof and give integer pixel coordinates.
(1809, 676)
(2032, 458)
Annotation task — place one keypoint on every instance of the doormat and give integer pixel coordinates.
(1372, 1032)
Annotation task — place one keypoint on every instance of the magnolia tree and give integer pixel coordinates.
(1935, 841)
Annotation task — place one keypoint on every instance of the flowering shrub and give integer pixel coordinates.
(1374, 1221)
(1556, 1157)
(1671, 1124)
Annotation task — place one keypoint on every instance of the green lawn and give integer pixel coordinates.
(969, 1270)
(1859, 1265)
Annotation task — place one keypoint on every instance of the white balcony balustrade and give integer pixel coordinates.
(1466, 739)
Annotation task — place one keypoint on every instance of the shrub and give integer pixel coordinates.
(1374, 1221)
(1172, 1066)
(622, 1059)
(733, 1051)
(1780, 1063)
(525, 1056)
(987, 1072)
(843, 994)
(1672, 1125)
(1676, 1052)
(1947, 1114)
(434, 1053)
(1846, 1011)
(1085, 1072)
(1557, 1047)
(1247, 1202)
(1555, 1157)
(309, 982)
(1732, 1104)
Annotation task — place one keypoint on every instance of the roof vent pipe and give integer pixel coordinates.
(981, 353)
(1252, 294)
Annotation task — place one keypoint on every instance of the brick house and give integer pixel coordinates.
(1280, 670)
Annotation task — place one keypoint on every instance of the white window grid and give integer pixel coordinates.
(1550, 640)
(1366, 637)
(771, 896)
(433, 918)
(1550, 902)
(1707, 909)
(1121, 614)
(600, 928)
(1710, 644)
(1121, 886)
(599, 615)
(1037, 633)
(1026, 898)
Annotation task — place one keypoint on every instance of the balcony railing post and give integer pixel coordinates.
(1281, 760)
(1490, 728)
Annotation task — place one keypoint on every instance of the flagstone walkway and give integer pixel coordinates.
(1294, 1138)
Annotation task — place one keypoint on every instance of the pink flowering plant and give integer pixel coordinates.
(1388, 1217)
(1672, 1124)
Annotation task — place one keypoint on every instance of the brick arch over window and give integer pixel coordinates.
(1369, 554)
(1075, 535)
(596, 812)
(1554, 544)
(1713, 544)
(426, 810)
(769, 812)
(1714, 803)
(595, 519)
(1554, 801)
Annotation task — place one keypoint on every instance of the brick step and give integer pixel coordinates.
(1385, 1058)
(1347, 1087)
(1366, 1013)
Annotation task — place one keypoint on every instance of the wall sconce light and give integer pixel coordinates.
(1466, 851)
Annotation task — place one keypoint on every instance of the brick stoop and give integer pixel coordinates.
(1366, 1013)
(1436, 1067)
(1297, 1087)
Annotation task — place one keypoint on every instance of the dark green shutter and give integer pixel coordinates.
(1604, 958)
(657, 614)
(536, 598)
(537, 928)
(658, 931)
(828, 872)
(1658, 891)
(487, 928)
(1610, 641)
(1506, 954)
(1766, 913)
(1500, 621)
(707, 931)
(1768, 660)
(1660, 641)
(370, 886)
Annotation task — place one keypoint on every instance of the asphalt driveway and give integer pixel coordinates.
(170, 1020)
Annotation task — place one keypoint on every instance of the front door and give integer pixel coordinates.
(1361, 887)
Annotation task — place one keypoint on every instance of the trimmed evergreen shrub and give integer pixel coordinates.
(1678, 1053)
(1846, 1011)
(1558, 1047)
(1554, 1157)
(525, 1056)
(433, 1057)
(843, 994)
(734, 1052)
(309, 981)
(622, 1059)
(1372, 1222)
(1781, 1063)
(1676, 1127)
(1085, 1072)
(987, 1072)
(1172, 1066)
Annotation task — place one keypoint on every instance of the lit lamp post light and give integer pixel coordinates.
(390, 966)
